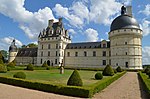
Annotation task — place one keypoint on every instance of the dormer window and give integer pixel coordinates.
(104, 45)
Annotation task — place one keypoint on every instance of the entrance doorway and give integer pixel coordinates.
(48, 63)
(126, 64)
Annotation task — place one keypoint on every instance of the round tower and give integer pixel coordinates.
(125, 42)
(12, 52)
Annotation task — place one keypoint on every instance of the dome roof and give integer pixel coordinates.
(124, 21)
(13, 47)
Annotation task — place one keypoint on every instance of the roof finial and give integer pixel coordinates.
(123, 10)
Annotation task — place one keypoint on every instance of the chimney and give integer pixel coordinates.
(129, 10)
(60, 20)
(50, 22)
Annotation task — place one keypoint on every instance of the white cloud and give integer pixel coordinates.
(91, 35)
(145, 27)
(146, 11)
(64, 12)
(31, 23)
(101, 11)
(5, 42)
(127, 2)
(146, 54)
(83, 12)
(71, 31)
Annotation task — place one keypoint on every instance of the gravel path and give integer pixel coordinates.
(13, 92)
(127, 87)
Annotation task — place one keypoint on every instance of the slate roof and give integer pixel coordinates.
(85, 45)
(27, 52)
(124, 21)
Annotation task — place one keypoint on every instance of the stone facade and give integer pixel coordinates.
(54, 46)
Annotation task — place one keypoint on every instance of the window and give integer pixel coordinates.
(85, 53)
(42, 46)
(116, 64)
(56, 46)
(41, 53)
(126, 53)
(55, 61)
(109, 62)
(125, 43)
(104, 62)
(49, 46)
(41, 61)
(104, 53)
(56, 53)
(48, 53)
(76, 54)
(126, 63)
(104, 45)
(68, 54)
(109, 53)
(94, 53)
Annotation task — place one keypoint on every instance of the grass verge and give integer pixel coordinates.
(145, 80)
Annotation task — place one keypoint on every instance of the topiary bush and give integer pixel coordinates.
(11, 64)
(75, 79)
(48, 68)
(118, 69)
(108, 71)
(29, 67)
(3, 68)
(21, 75)
(115, 71)
(98, 76)
(147, 69)
(45, 64)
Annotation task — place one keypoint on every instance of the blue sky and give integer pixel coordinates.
(86, 20)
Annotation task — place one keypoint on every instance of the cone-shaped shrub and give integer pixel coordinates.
(45, 64)
(108, 71)
(11, 64)
(3, 68)
(75, 79)
(119, 69)
(98, 76)
(30, 67)
(20, 75)
(115, 71)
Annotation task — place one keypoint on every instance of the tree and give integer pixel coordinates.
(1, 58)
(4, 53)
(31, 45)
(23, 46)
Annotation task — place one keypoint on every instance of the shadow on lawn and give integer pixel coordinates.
(144, 94)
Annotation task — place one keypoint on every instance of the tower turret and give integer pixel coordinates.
(12, 51)
(125, 41)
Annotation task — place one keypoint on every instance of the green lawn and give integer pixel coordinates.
(53, 76)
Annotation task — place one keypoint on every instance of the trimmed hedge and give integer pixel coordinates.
(108, 71)
(98, 76)
(21, 75)
(11, 64)
(45, 64)
(29, 67)
(119, 69)
(76, 91)
(75, 79)
(145, 80)
(3, 68)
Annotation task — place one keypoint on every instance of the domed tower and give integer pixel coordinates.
(125, 42)
(12, 52)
